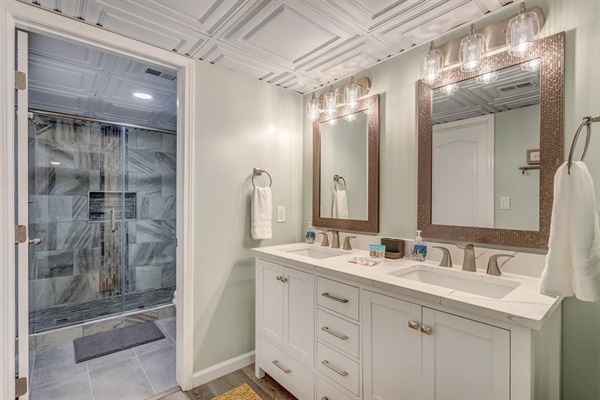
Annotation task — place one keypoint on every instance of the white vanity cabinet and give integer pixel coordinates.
(413, 352)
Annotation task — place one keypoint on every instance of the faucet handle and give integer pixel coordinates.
(347, 245)
(465, 246)
(493, 267)
(325, 242)
(446, 259)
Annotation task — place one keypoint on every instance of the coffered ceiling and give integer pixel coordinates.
(296, 44)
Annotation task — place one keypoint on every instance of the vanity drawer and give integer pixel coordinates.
(285, 369)
(338, 297)
(338, 368)
(338, 332)
(326, 391)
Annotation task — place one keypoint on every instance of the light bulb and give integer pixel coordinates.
(142, 95)
(449, 89)
(431, 65)
(521, 32)
(330, 100)
(487, 78)
(472, 51)
(531, 66)
(332, 122)
(352, 95)
(312, 108)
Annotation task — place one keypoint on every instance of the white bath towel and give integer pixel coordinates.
(340, 205)
(261, 213)
(573, 260)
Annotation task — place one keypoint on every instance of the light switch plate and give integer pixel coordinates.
(280, 213)
(505, 203)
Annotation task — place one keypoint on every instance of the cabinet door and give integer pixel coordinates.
(300, 315)
(391, 348)
(270, 302)
(464, 359)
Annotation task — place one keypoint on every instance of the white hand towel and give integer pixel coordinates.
(261, 213)
(340, 205)
(573, 260)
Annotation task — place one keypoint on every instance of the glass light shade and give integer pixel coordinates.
(487, 78)
(449, 89)
(330, 102)
(312, 109)
(332, 122)
(431, 66)
(521, 33)
(472, 52)
(350, 117)
(352, 95)
(531, 66)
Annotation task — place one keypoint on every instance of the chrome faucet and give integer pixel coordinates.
(446, 259)
(493, 267)
(325, 242)
(469, 257)
(335, 237)
(347, 245)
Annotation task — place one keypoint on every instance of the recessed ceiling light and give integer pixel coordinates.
(143, 96)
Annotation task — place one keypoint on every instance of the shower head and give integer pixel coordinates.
(39, 127)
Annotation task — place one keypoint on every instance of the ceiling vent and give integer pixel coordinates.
(515, 87)
(160, 74)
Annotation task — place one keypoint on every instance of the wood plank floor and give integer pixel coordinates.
(267, 388)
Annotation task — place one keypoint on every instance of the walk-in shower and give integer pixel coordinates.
(102, 198)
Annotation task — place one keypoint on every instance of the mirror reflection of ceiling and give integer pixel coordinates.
(75, 80)
(295, 44)
(514, 88)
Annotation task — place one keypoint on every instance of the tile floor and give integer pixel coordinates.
(138, 373)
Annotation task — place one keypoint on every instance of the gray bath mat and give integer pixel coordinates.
(104, 343)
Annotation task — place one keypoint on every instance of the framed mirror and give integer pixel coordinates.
(490, 143)
(346, 168)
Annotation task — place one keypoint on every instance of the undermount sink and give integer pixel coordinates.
(469, 282)
(317, 253)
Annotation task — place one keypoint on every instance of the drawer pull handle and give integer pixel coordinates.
(413, 325)
(337, 335)
(334, 298)
(286, 370)
(426, 330)
(334, 369)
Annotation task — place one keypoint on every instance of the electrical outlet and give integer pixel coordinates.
(505, 203)
(280, 213)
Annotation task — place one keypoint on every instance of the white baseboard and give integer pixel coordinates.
(222, 369)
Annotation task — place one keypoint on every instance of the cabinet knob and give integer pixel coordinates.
(413, 325)
(282, 279)
(426, 330)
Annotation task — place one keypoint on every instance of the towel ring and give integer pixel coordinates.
(336, 179)
(587, 121)
(258, 172)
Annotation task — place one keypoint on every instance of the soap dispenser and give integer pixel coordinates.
(310, 233)
(419, 248)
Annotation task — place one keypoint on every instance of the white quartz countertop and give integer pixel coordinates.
(524, 305)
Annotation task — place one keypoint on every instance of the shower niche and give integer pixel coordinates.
(102, 198)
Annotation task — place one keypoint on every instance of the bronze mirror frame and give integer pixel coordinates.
(369, 104)
(551, 52)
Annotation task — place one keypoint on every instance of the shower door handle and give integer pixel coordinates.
(113, 223)
(35, 241)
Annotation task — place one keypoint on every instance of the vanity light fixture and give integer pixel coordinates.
(488, 78)
(350, 117)
(449, 89)
(352, 94)
(531, 66)
(521, 32)
(431, 65)
(330, 101)
(349, 96)
(142, 95)
(312, 108)
(472, 51)
(332, 122)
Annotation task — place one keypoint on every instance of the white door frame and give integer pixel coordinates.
(13, 15)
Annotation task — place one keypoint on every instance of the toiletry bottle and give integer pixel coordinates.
(310, 234)
(419, 248)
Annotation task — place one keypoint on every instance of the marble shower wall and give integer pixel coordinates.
(68, 162)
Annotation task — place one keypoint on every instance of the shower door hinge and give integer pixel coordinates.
(20, 80)
(20, 234)
(20, 386)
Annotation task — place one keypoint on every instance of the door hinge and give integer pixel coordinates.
(20, 234)
(20, 386)
(20, 80)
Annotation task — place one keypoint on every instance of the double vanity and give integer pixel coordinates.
(330, 329)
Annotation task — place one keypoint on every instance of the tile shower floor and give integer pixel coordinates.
(138, 373)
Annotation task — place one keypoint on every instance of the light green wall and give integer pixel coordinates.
(244, 124)
(395, 80)
(516, 131)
